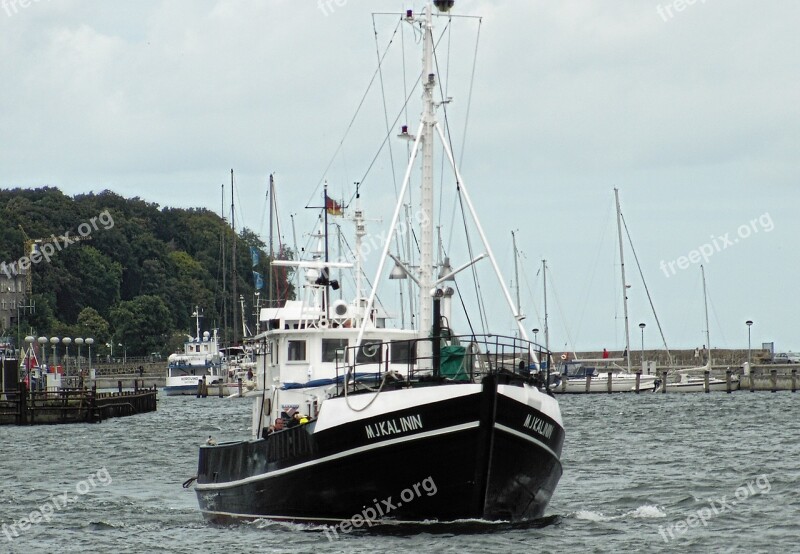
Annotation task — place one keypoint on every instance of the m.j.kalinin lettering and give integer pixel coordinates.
(393, 426)
(539, 426)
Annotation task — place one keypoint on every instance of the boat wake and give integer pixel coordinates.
(404, 528)
(646, 511)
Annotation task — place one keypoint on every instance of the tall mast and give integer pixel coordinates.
(361, 232)
(271, 193)
(705, 303)
(224, 256)
(624, 283)
(426, 196)
(516, 270)
(233, 263)
(546, 325)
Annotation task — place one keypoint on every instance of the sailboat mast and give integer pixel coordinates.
(624, 282)
(546, 325)
(233, 263)
(270, 298)
(705, 303)
(224, 257)
(426, 196)
(516, 270)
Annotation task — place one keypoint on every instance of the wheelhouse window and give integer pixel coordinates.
(403, 351)
(371, 352)
(330, 347)
(297, 350)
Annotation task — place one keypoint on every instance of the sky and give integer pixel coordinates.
(691, 109)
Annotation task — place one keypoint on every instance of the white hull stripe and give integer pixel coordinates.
(344, 454)
(318, 519)
(528, 438)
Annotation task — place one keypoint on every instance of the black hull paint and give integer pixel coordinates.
(474, 458)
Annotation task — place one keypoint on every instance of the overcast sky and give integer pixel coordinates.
(693, 113)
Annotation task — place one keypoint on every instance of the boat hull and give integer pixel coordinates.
(714, 385)
(482, 454)
(577, 385)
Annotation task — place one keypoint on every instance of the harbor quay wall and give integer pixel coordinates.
(720, 357)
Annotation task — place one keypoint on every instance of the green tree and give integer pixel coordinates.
(141, 324)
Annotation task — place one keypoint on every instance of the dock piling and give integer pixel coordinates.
(706, 375)
(609, 385)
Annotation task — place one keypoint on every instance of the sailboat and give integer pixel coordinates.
(592, 375)
(689, 381)
(361, 423)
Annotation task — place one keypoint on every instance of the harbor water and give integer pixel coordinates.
(642, 473)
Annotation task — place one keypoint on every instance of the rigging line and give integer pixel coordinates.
(646, 289)
(386, 138)
(471, 87)
(473, 268)
(264, 214)
(386, 119)
(363, 272)
(590, 275)
(446, 83)
(355, 115)
(383, 97)
(564, 326)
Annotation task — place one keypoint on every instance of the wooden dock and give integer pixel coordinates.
(24, 407)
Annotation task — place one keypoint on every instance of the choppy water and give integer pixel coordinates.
(648, 473)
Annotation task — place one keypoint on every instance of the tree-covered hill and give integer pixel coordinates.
(138, 275)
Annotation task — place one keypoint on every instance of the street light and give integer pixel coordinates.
(749, 323)
(30, 340)
(642, 326)
(79, 341)
(90, 342)
(54, 360)
(535, 332)
(42, 342)
(124, 353)
(67, 341)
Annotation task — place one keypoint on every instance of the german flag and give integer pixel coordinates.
(333, 207)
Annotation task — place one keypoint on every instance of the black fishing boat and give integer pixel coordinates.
(359, 422)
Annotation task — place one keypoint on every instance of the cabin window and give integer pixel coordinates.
(297, 350)
(370, 352)
(403, 351)
(330, 347)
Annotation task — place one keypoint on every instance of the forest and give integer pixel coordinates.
(129, 272)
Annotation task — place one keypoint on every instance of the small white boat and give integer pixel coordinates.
(575, 380)
(199, 361)
(695, 383)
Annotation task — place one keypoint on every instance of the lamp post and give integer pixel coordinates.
(749, 323)
(29, 340)
(89, 343)
(124, 353)
(54, 360)
(42, 342)
(79, 341)
(642, 326)
(66, 341)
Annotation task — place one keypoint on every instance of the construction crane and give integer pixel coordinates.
(31, 247)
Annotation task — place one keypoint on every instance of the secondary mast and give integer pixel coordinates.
(624, 283)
